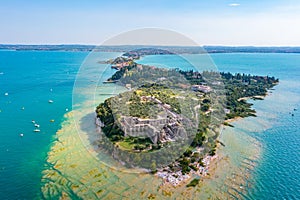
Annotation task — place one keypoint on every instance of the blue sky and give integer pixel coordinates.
(213, 22)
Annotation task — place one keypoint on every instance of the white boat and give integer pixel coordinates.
(50, 101)
(36, 130)
(37, 125)
(33, 121)
(6, 94)
(21, 134)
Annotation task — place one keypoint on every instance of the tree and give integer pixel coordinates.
(153, 166)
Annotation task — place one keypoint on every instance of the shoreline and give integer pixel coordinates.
(256, 97)
(213, 169)
(74, 166)
(78, 168)
(75, 162)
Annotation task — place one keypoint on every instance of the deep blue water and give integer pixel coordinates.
(30, 75)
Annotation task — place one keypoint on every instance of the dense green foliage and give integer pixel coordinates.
(236, 86)
(239, 86)
(111, 129)
(119, 74)
(233, 87)
(137, 108)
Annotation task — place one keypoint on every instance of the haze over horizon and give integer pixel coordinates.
(217, 23)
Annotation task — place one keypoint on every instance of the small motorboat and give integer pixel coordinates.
(6, 93)
(51, 120)
(36, 130)
(33, 121)
(37, 125)
(21, 134)
(50, 101)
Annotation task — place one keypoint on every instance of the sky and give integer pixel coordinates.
(213, 22)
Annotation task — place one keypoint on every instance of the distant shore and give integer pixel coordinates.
(173, 49)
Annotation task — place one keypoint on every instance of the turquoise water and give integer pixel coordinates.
(29, 77)
(277, 174)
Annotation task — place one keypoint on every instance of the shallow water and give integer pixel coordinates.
(267, 146)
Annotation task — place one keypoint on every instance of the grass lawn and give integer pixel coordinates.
(125, 145)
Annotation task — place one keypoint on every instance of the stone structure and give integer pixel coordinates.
(163, 129)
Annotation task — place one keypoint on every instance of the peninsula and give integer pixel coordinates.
(172, 115)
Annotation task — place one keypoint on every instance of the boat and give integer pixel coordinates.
(21, 134)
(37, 125)
(36, 130)
(33, 121)
(51, 120)
(6, 94)
(50, 101)
(110, 81)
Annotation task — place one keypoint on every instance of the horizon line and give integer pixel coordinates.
(77, 44)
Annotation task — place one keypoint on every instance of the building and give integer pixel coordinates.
(201, 88)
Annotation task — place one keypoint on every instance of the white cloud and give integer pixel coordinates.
(234, 4)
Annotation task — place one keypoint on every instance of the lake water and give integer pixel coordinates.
(32, 78)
